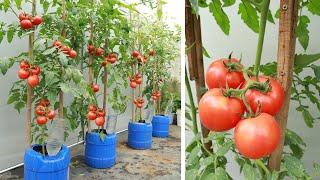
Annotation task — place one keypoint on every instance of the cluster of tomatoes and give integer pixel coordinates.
(31, 73)
(156, 95)
(95, 51)
(251, 111)
(135, 80)
(65, 49)
(28, 21)
(111, 58)
(43, 112)
(140, 58)
(96, 114)
(139, 101)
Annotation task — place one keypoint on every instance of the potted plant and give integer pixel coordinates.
(101, 140)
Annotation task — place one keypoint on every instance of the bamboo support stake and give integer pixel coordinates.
(195, 58)
(29, 88)
(63, 34)
(132, 95)
(90, 72)
(105, 79)
(286, 53)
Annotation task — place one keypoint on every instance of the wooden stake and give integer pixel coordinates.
(105, 79)
(29, 88)
(195, 58)
(286, 53)
(63, 34)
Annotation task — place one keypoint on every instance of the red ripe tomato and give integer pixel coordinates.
(57, 44)
(220, 113)
(51, 114)
(24, 64)
(101, 113)
(37, 20)
(33, 80)
(135, 54)
(140, 58)
(43, 102)
(138, 75)
(151, 52)
(92, 108)
(90, 48)
(111, 60)
(104, 62)
(91, 115)
(100, 121)
(99, 52)
(65, 49)
(158, 94)
(40, 110)
(154, 98)
(35, 70)
(133, 85)
(139, 80)
(72, 54)
(135, 101)
(22, 16)
(271, 102)
(218, 74)
(26, 24)
(95, 87)
(41, 120)
(257, 137)
(139, 105)
(23, 74)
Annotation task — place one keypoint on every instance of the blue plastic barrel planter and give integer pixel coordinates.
(38, 167)
(160, 126)
(100, 153)
(140, 135)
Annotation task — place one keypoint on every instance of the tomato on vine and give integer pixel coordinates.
(271, 101)
(257, 137)
(224, 71)
(218, 112)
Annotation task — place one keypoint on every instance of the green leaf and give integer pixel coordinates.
(220, 174)
(205, 52)
(193, 158)
(227, 3)
(313, 7)
(192, 145)
(18, 3)
(249, 15)
(1, 35)
(250, 173)
(10, 34)
(224, 148)
(191, 174)
(273, 176)
(220, 16)
(294, 166)
(49, 51)
(316, 70)
(293, 138)
(308, 119)
(270, 17)
(102, 136)
(207, 161)
(303, 60)
(303, 32)
(195, 6)
(277, 15)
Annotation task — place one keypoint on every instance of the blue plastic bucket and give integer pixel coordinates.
(38, 167)
(100, 154)
(160, 126)
(140, 135)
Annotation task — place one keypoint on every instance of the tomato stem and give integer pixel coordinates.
(262, 165)
(263, 22)
(193, 107)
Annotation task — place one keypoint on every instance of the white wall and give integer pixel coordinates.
(243, 41)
